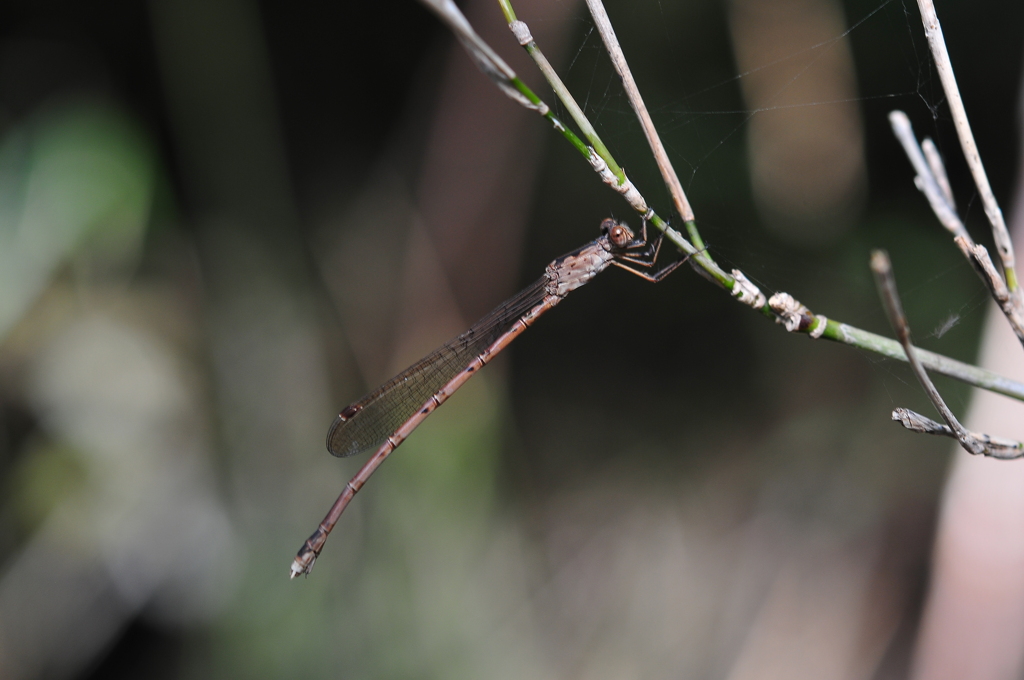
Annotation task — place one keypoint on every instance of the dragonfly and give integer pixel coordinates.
(384, 418)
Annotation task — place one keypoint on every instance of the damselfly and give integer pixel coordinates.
(385, 417)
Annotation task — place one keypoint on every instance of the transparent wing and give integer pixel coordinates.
(366, 423)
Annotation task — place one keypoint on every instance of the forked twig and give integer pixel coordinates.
(931, 181)
(933, 32)
(668, 173)
(603, 161)
(487, 60)
(986, 445)
(1003, 449)
(495, 68)
(781, 307)
(606, 168)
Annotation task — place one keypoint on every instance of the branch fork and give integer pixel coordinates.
(974, 443)
(932, 182)
(782, 307)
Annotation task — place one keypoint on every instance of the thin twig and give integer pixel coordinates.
(881, 267)
(522, 33)
(931, 181)
(486, 58)
(926, 180)
(1004, 449)
(797, 318)
(506, 79)
(938, 169)
(933, 31)
(611, 173)
(603, 162)
(495, 68)
(668, 173)
(816, 326)
(887, 347)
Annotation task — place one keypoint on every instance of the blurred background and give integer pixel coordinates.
(222, 222)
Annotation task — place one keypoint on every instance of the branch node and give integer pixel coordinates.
(978, 256)
(746, 292)
(522, 32)
(987, 445)
(625, 187)
(972, 442)
(793, 314)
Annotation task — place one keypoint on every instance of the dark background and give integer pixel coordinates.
(299, 171)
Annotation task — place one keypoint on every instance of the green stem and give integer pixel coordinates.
(563, 94)
(1011, 278)
(834, 330)
(506, 8)
(696, 244)
(691, 229)
(571, 136)
(972, 375)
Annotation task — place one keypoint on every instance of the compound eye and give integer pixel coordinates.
(620, 235)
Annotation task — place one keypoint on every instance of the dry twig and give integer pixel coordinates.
(781, 307)
(977, 444)
(668, 173)
(931, 181)
(933, 32)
